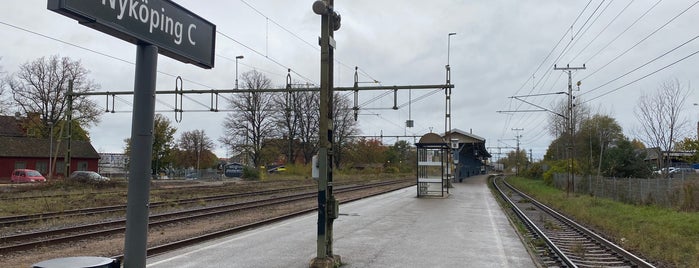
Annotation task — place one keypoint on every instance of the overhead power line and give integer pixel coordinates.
(267, 57)
(642, 40)
(641, 66)
(643, 77)
(622, 32)
(315, 47)
(603, 29)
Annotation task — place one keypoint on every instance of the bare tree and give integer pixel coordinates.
(252, 122)
(558, 123)
(287, 121)
(344, 127)
(41, 87)
(660, 117)
(308, 109)
(193, 144)
(4, 94)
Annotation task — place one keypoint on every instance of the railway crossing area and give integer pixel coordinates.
(467, 228)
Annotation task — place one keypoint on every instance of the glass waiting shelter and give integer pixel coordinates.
(432, 165)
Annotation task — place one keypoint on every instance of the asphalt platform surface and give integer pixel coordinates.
(467, 228)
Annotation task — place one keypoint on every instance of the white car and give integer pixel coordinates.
(87, 176)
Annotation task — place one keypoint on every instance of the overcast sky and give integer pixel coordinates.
(502, 48)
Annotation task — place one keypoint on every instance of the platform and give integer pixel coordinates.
(465, 229)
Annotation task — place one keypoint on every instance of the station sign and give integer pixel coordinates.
(177, 32)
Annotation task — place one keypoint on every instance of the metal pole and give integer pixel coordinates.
(236, 70)
(142, 122)
(570, 124)
(69, 115)
(449, 45)
(323, 161)
(327, 204)
(50, 150)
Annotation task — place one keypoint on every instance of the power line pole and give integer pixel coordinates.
(570, 123)
(517, 136)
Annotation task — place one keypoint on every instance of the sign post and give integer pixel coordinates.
(155, 26)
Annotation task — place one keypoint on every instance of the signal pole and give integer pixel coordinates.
(570, 124)
(328, 207)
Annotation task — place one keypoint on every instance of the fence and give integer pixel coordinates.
(681, 192)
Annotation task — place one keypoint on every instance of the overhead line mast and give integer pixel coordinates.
(570, 123)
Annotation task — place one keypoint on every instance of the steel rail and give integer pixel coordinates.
(617, 249)
(156, 220)
(583, 231)
(532, 226)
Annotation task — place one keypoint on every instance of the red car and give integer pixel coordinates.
(26, 175)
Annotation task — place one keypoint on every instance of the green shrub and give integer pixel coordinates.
(535, 171)
(250, 173)
(391, 170)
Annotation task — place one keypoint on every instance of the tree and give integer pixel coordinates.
(4, 95)
(193, 145)
(594, 137)
(515, 160)
(287, 121)
(41, 87)
(365, 152)
(308, 109)
(246, 129)
(558, 126)
(163, 144)
(401, 155)
(624, 160)
(344, 127)
(689, 145)
(660, 117)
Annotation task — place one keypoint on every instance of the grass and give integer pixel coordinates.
(59, 195)
(665, 236)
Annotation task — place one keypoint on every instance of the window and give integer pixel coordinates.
(82, 165)
(20, 165)
(42, 167)
(60, 168)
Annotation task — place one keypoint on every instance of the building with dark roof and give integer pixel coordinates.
(471, 154)
(18, 150)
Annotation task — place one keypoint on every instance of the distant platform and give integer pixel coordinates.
(465, 229)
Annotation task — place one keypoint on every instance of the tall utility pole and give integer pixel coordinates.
(570, 124)
(328, 207)
(517, 136)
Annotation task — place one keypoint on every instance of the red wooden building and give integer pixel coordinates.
(19, 150)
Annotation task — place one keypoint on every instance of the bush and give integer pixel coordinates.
(391, 169)
(250, 173)
(535, 171)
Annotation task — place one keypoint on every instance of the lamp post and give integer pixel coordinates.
(236, 69)
(50, 150)
(449, 45)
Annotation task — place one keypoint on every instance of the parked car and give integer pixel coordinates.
(682, 170)
(665, 170)
(191, 176)
(87, 176)
(26, 175)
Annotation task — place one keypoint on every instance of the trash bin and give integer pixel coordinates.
(82, 262)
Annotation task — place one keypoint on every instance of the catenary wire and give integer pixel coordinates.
(642, 40)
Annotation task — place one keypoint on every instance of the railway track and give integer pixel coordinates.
(27, 241)
(24, 219)
(560, 241)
